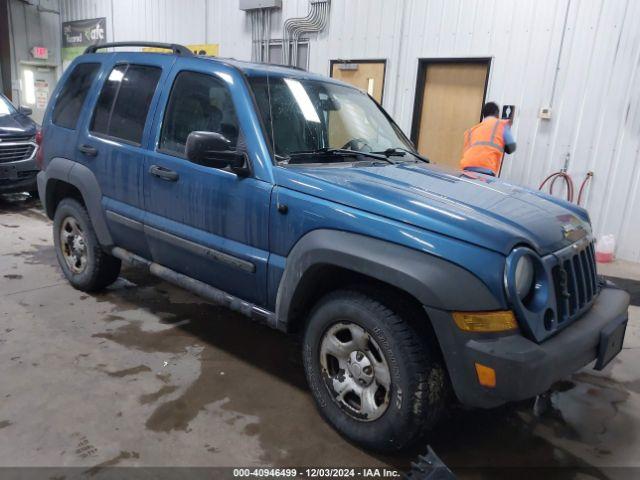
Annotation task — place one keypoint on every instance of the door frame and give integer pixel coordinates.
(383, 61)
(423, 64)
(31, 65)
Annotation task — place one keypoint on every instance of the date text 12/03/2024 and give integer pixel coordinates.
(315, 472)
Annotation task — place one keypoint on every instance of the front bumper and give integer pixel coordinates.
(20, 175)
(25, 183)
(524, 368)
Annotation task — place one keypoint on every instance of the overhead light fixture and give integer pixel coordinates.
(303, 100)
(116, 75)
(29, 87)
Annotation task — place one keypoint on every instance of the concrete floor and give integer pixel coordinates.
(146, 374)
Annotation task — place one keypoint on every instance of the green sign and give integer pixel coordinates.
(79, 34)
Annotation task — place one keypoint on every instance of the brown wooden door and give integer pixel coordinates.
(367, 76)
(450, 102)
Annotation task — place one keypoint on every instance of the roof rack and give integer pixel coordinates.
(174, 47)
(266, 64)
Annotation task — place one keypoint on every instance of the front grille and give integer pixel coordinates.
(23, 175)
(15, 151)
(575, 281)
(17, 138)
(27, 174)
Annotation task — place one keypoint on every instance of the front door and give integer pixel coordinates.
(449, 100)
(367, 75)
(207, 223)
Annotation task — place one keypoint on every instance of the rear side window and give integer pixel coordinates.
(123, 104)
(74, 91)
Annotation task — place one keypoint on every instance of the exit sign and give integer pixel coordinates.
(40, 52)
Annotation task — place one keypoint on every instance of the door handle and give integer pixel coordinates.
(163, 173)
(88, 150)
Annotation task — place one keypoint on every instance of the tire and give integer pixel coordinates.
(414, 398)
(95, 269)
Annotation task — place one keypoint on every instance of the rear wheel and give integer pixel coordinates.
(84, 263)
(373, 377)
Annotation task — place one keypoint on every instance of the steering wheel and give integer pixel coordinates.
(358, 145)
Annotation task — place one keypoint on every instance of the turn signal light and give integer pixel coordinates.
(499, 321)
(486, 375)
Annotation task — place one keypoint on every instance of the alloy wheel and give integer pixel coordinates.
(355, 371)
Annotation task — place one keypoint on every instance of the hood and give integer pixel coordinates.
(16, 124)
(474, 208)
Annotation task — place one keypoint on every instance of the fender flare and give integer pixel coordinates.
(433, 281)
(85, 181)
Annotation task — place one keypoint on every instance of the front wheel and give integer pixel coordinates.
(373, 377)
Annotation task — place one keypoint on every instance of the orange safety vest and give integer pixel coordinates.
(484, 145)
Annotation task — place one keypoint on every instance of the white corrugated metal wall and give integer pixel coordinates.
(581, 57)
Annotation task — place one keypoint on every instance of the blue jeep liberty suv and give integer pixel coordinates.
(296, 200)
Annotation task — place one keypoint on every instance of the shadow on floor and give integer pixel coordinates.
(21, 203)
(630, 286)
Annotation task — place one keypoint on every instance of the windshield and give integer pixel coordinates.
(311, 115)
(6, 107)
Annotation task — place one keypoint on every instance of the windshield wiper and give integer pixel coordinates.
(341, 152)
(401, 152)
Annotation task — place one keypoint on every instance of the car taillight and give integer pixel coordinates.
(39, 153)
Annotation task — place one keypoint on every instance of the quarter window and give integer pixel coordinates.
(73, 94)
(197, 102)
(123, 104)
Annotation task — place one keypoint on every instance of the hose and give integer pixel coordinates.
(583, 185)
(554, 177)
(568, 181)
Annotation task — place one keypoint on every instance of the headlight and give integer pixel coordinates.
(524, 276)
(529, 287)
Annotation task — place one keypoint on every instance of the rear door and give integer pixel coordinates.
(112, 139)
(207, 223)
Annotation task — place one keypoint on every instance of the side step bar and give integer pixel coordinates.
(199, 288)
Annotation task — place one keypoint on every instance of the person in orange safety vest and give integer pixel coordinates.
(486, 142)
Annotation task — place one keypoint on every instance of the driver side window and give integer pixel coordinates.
(197, 102)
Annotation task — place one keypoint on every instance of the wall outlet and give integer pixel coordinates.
(545, 113)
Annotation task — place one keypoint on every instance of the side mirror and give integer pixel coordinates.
(25, 110)
(213, 149)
